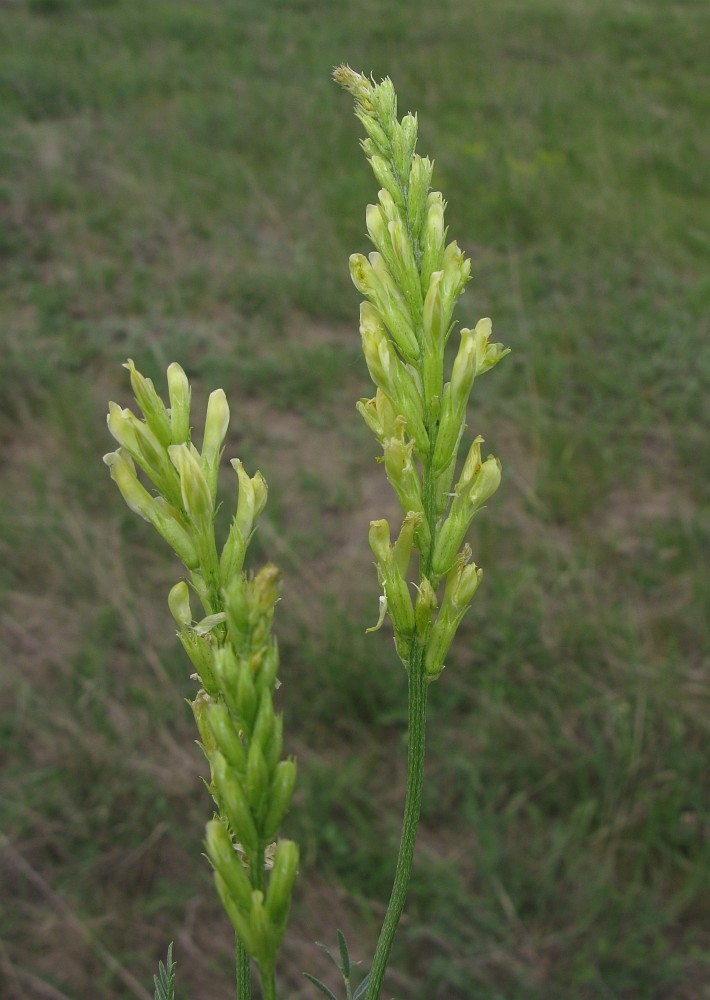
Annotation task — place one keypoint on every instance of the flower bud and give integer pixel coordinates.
(279, 798)
(462, 582)
(387, 205)
(200, 653)
(456, 270)
(375, 132)
(402, 548)
(231, 560)
(179, 604)
(199, 707)
(404, 139)
(251, 500)
(361, 274)
(281, 881)
(226, 736)
(196, 495)
(487, 355)
(216, 425)
(434, 317)
(419, 182)
(425, 609)
(464, 370)
(257, 781)
(266, 939)
(163, 518)
(220, 850)
(432, 239)
(384, 100)
(408, 272)
(263, 731)
(393, 308)
(479, 480)
(121, 425)
(433, 379)
(382, 362)
(386, 178)
(235, 805)
(482, 484)
(451, 425)
(378, 414)
(402, 474)
(440, 639)
(398, 599)
(379, 538)
(236, 606)
(269, 665)
(246, 698)
(377, 230)
(180, 393)
(151, 404)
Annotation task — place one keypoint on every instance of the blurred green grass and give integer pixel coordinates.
(182, 180)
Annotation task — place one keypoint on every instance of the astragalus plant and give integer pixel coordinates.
(427, 579)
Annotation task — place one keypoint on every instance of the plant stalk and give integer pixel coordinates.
(243, 972)
(268, 983)
(417, 701)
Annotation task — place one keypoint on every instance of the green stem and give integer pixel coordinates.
(268, 983)
(412, 808)
(243, 972)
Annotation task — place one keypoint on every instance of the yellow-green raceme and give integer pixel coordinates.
(231, 647)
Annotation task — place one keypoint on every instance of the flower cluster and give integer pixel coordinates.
(231, 647)
(411, 282)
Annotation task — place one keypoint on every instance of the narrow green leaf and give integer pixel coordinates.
(329, 953)
(344, 954)
(321, 986)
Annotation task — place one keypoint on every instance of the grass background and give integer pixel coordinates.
(182, 181)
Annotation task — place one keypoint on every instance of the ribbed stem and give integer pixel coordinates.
(412, 808)
(243, 972)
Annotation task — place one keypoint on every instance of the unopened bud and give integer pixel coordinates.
(263, 933)
(402, 548)
(280, 793)
(487, 355)
(225, 736)
(281, 881)
(221, 852)
(425, 609)
(419, 182)
(179, 604)
(151, 404)
(386, 177)
(434, 317)
(180, 393)
(235, 804)
(379, 538)
(163, 518)
(402, 473)
(377, 228)
(257, 781)
(432, 238)
(408, 271)
(216, 425)
(196, 495)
